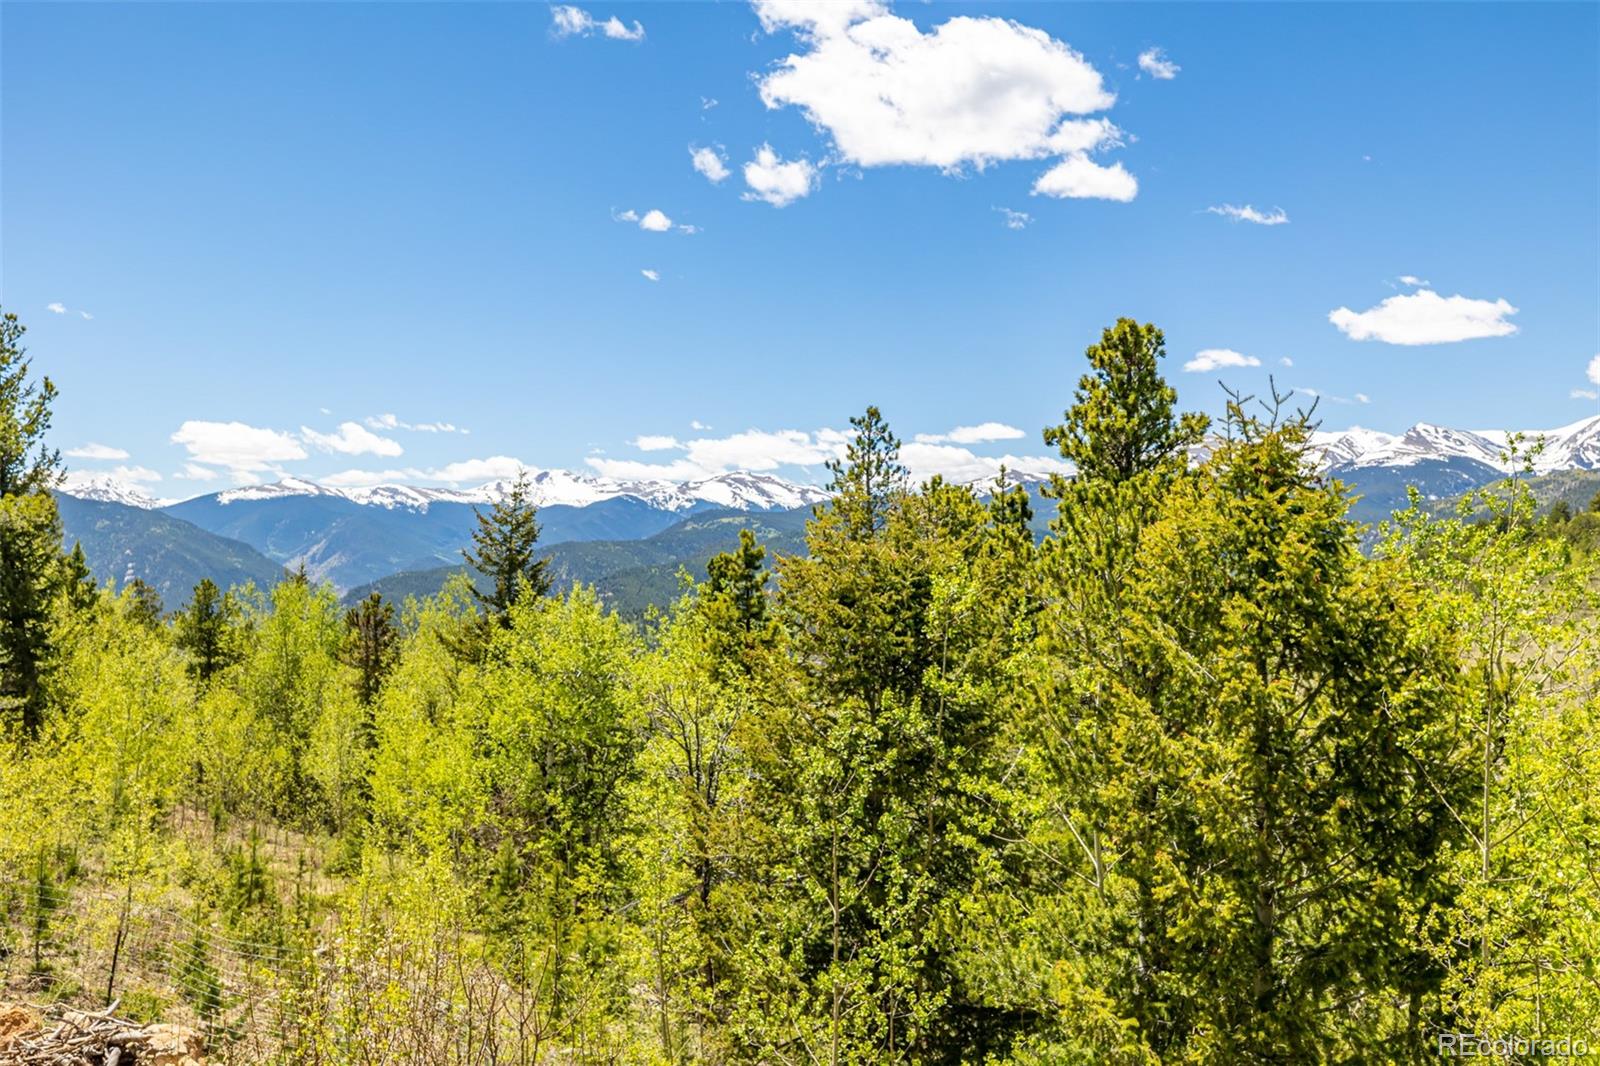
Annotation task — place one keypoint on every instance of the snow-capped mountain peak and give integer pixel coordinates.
(738, 490)
(290, 486)
(107, 488)
(1346, 447)
(1567, 447)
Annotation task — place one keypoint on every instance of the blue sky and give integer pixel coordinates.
(284, 218)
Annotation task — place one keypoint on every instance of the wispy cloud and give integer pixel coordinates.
(57, 307)
(352, 438)
(651, 275)
(1425, 317)
(1154, 62)
(569, 21)
(1318, 394)
(648, 442)
(96, 451)
(1276, 217)
(1014, 219)
(391, 422)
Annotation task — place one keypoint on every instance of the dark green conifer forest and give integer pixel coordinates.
(1209, 774)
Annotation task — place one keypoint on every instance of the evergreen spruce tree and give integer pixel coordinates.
(1010, 507)
(204, 631)
(739, 579)
(30, 531)
(504, 545)
(733, 600)
(78, 580)
(372, 645)
(144, 602)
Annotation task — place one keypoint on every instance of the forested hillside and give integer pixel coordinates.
(1191, 779)
(123, 544)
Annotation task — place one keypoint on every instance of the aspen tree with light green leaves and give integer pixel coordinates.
(1518, 946)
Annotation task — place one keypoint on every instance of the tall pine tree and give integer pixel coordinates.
(204, 631)
(372, 645)
(1121, 421)
(30, 530)
(504, 544)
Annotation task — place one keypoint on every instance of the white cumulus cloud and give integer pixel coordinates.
(778, 182)
(1413, 281)
(978, 434)
(240, 448)
(1594, 370)
(1425, 317)
(1154, 62)
(652, 221)
(57, 307)
(651, 275)
(771, 450)
(964, 467)
(96, 451)
(971, 92)
(469, 471)
(1217, 358)
(709, 163)
(352, 439)
(1081, 178)
(569, 21)
(1276, 217)
(130, 475)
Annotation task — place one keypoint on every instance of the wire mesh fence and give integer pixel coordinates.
(351, 991)
(94, 945)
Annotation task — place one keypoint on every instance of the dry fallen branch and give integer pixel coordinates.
(92, 1038)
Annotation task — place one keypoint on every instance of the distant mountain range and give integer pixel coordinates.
(1443, 463)
(738, 490)
(633, 535)
(1576, 446)
(353, 536)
